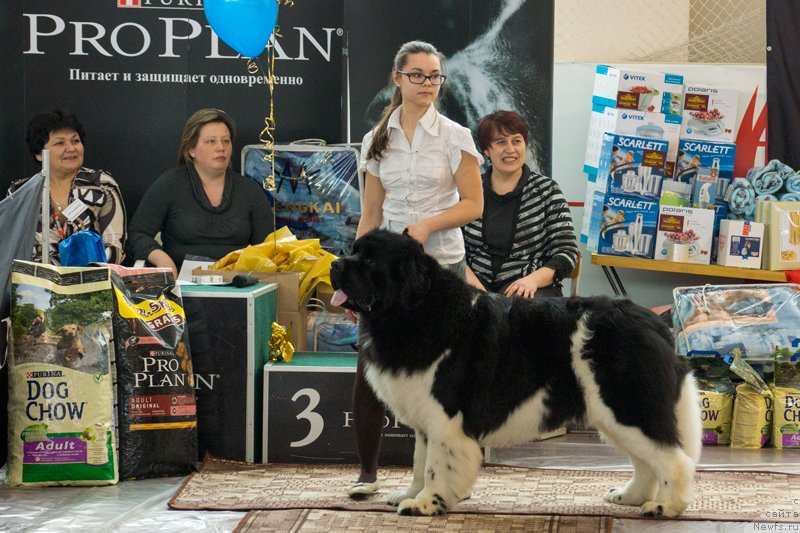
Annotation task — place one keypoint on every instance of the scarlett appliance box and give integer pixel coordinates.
(684, 232)
(642, 91)
(709, 113)
(634, 123)
(632, 165)
(709, 158)
(626, 226)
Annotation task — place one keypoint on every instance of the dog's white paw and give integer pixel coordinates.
(620, 497)
(395, 498)
(657, 509)
(423, 506)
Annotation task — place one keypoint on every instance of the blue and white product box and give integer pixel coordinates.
(592, 216)
(704, 189)
(684, 232)
(632, 165)
(675, 193)
(709, 113)
(740, 243)
(706, 157)
(630, 122)
(720, 214)
(627, 226)
(642, 91)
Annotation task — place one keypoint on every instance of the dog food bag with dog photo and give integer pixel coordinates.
(752, 418)
(156, 407)
(786, 420)
(716, 398)
(61, 429)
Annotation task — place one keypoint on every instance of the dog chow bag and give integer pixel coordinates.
(60, 381)
(156, 406)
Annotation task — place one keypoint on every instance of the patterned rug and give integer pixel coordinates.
(316, 520)
(730, 496)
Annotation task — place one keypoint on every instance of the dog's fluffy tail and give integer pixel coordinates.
(687, 412)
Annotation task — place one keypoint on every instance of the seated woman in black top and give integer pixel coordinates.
(524, 243)
(201, 208)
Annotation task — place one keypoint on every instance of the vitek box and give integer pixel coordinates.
(632, 165)
(229, 332)
(707, 158)
(627, 226)
(642, 91)
(709, 113)
(740, 243)
(630, 122)
(684, 232)
(308, 413)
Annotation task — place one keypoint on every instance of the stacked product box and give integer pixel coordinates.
(740, 243)
(709, 113)
(684, 234)
(706, 158)
(638, 103)
(622, 200)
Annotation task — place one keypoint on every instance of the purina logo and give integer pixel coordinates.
(634, 77)
(162, 4)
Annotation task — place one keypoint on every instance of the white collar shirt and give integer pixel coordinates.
(418, 177)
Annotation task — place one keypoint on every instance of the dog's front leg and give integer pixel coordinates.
(450, 471)
(418, 483)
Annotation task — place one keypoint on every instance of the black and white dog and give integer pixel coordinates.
(467, 369)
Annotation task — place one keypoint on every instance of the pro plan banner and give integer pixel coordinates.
(783, 81)
(133, 71)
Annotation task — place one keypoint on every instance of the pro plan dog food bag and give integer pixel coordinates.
(60, 381)
(155, 383)
(716, 398)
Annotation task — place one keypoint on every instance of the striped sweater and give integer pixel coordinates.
(543, 235)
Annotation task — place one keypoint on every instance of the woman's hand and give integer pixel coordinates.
(523, 287)
(351, 315)
(419, 231)
(160, 259)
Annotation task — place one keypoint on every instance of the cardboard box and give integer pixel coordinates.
(630, 122)
(709, 113)
(707, 158)
(684, 229)
(627, 226)
(643, 91)
(740, 243)
(633, 166)
(784, 235)
(704, 190)
(291, 312)
(308, 414)
(592, 215)
(229, 332)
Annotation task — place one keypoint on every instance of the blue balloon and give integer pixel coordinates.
(244, 25)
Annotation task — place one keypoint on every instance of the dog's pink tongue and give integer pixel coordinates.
(338, 298)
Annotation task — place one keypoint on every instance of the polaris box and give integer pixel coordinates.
(308, 414)
(229, 332)
(684, 235)
(709, 113)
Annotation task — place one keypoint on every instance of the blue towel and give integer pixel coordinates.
(768, 179)
(741, 199)
(789, 197)
(766, 198)
(792, 182)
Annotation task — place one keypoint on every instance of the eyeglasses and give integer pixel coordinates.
(418, 78)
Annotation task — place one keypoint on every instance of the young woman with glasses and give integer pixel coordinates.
(422, 176)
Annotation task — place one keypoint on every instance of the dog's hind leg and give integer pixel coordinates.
(641, 488)
(451, 467)
(675, 471)
(418, 482)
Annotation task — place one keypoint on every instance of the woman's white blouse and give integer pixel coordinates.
(418, 179)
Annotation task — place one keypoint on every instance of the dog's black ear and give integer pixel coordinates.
(416, 281)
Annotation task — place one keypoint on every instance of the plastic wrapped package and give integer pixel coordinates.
(750, 320)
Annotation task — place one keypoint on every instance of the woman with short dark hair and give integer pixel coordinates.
(202, 207)
(80, 198)
(524, 243)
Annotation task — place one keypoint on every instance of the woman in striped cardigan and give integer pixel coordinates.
(524, 243)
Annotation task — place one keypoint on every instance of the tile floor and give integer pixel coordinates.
(141, 506)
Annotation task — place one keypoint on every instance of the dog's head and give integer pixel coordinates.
(70, 330)
(386, 269)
